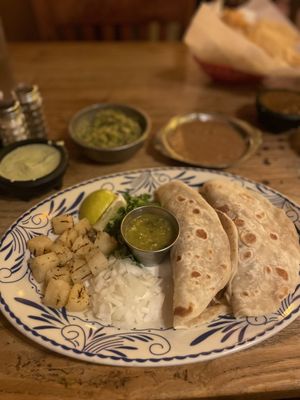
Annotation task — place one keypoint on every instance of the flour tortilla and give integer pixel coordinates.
(201, 258)
(212, 312)
(233, 236)
(268, 246)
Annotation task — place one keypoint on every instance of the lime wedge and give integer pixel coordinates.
(95, 204)
(110, 212)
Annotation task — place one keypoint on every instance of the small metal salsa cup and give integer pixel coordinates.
(150, 257)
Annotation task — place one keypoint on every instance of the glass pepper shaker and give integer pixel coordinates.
(13, 125)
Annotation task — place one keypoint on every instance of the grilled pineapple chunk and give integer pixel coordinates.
(96, 261)
(39, 245)
(77, 254)
(82, 246)
(62, 273)
(61, 223)
(80, 271)
(56, 293)
(41, 264)
(68, 238)
(63, 253)
(78, 298)
(105, 243)
(82, 227)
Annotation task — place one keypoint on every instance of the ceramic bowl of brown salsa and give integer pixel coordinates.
(278, 110)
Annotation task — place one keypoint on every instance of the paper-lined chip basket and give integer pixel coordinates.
(258, 42)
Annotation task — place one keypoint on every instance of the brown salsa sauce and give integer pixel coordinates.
(208, 142)
(282, 101)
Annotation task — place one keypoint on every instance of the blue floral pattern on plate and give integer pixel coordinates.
(82, 337)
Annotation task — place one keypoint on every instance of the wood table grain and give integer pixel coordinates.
(163, 80)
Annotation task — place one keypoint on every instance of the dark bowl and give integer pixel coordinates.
(26, 190)
(276, 121)
(114, 154)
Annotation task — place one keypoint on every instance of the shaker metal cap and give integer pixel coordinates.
(27, 93)
(8, 106)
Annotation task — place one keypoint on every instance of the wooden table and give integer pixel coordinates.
(163, 80)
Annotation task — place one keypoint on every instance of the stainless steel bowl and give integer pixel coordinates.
(115, 154)
(251, 136)
(150, 257)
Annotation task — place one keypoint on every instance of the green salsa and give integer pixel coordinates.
(149, 232)
(108, 128)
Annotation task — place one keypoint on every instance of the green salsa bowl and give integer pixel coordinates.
(150, 232)
(109, 133)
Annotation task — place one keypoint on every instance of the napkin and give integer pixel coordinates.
(213, 41)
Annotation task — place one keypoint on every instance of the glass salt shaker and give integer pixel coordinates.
(32, 105)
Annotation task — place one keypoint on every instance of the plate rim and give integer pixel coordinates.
(140, 362)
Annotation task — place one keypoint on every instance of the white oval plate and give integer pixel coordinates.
(75, 335)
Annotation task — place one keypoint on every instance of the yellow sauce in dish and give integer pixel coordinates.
(29, 162)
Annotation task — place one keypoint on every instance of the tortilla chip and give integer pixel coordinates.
(278, 40)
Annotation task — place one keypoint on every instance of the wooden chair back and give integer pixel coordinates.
(112, 19)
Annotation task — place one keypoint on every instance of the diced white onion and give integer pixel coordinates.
(126, 295)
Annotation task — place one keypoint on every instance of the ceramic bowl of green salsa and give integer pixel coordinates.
(150, 232)
(109, 133)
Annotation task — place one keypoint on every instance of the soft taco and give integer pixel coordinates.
(201, 259)
(268, 248)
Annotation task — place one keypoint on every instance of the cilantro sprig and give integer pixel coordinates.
(113, 226)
